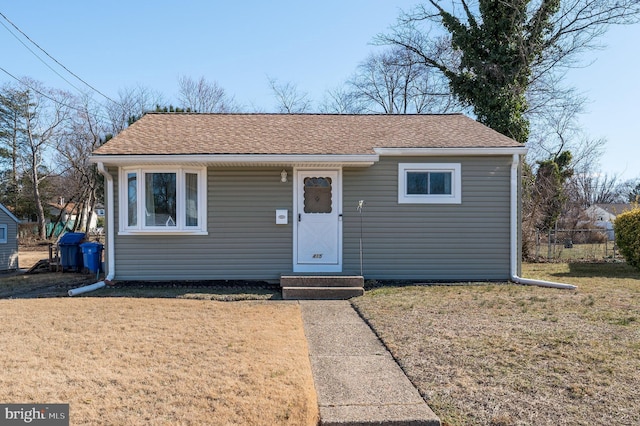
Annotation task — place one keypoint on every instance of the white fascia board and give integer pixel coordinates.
(232, 159)
(409, 152)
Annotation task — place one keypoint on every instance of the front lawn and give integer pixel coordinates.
(511, 355)
(141, 361)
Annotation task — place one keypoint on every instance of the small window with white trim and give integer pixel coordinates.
(3, 234)
(163, 200)
(429, 183)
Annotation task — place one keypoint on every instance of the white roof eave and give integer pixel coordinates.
(237, 159)
(354, 160)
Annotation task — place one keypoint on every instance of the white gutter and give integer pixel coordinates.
(514, 236)
(111, 270)
(449, 151)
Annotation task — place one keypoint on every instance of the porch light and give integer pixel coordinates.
(283, 176)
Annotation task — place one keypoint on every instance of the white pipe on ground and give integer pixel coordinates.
(86, 288)
(111, 265)
(514, 236)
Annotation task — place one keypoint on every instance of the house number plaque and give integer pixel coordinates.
(317, 256)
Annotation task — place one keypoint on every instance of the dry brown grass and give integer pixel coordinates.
(515, 355)
(158, 361)
(28, 258)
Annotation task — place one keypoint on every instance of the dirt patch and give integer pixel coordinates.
(28, 258)
(512, 355)
(159, 361)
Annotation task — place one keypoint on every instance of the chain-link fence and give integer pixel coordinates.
(576, 244)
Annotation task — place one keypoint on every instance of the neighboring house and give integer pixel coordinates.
(67, 209)
(254, 196)
(603, 215)
(8, 240)
(70, 214)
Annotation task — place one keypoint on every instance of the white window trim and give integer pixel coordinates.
(180, 228)
(4, 240)
(456, 183)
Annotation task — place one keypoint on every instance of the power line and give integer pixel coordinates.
(45, 95)
(39, 58)
(54, 59)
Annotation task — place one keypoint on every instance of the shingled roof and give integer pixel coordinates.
(304, 134)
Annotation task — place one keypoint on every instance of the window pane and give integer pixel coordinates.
(417, 183)
(3, 233)
(191, 183)
(317, 195)
(160, 199)
(440, 183)
(132, 197)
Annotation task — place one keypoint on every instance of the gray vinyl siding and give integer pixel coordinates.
(467, 241)
(9, 251)
(243, 241)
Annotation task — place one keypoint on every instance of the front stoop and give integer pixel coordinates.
(322, 287)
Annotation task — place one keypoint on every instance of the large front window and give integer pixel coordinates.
(163, 200)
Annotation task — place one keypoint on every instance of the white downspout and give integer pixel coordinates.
(514, 235)
(110, 242)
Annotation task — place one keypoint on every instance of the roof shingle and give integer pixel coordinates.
(306, 134)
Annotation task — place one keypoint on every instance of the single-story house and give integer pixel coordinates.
(8, 240)
(256, 196)
(603, 215)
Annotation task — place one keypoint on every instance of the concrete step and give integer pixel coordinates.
(321, 281)
(321, 293)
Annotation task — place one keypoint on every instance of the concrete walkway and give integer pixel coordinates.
(356, 379)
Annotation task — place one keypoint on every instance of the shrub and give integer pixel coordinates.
(627, 229)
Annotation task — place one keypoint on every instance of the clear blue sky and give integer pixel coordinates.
(314, 44)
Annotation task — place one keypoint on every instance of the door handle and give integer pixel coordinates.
(299, 217)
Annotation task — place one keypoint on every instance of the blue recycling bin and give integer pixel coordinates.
(69, 248)
(92, 256)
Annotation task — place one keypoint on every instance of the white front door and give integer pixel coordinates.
(318, 226)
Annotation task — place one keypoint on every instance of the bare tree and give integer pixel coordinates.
(289, 99)
(45, 116)
(342, 101)
(631, 190)
(85, 132)
(556, 128)
(132, 104)
(396, 82)
(203, 96)
(595, 188)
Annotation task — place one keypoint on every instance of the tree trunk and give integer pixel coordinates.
(42, 230)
